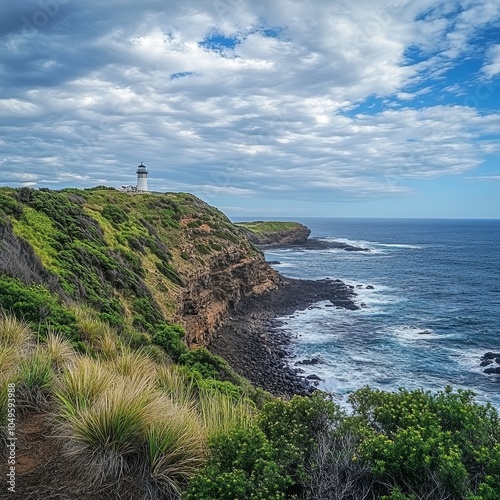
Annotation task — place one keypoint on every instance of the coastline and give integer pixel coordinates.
(254, 346)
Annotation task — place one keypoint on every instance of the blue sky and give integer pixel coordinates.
(283, 108)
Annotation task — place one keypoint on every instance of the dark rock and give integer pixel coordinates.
(370, 287)
(492, 370)
(312, 361)
(491, 355)
(486, 362)
(313, 377)
(497, 360)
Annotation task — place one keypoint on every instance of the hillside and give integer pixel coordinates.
(137, 260)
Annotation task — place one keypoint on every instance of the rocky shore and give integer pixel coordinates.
(254, 345)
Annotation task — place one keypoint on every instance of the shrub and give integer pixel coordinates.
(114, 214)
(242, 465)
(293, 429)
(426, 444)
(37, 306)
(168, 337)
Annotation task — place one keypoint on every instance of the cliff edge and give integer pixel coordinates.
(137, 259)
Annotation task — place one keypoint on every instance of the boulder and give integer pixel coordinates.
(312, 361)
(491, 355)
(492, 370)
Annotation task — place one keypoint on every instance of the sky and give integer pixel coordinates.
(366, 108)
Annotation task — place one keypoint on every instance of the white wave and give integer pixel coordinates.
(411, 332)
(374, 246)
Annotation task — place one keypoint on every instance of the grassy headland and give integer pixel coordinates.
(102, 397)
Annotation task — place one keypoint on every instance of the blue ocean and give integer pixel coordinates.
(434, 309)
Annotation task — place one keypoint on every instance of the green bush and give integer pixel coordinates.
(36, 305)
(242, 466)
(293, 428)
(114, 214)
(427, 444)
(169, 338)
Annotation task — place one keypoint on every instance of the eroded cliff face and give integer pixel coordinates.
(211, 294)
(138, 260)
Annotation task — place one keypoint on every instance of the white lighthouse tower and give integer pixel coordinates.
(142, 178)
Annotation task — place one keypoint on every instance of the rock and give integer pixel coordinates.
(313, 377)
(491, 355)
(497, 360)
(486, 362)
(492, 370)
(370, 287)
(425, 332)
(312, 361)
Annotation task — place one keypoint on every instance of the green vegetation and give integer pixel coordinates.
(88, 286)
(268, 227)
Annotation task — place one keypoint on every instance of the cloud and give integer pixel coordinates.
(242, 98)
(492, 66)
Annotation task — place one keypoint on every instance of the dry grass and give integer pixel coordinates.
(81, 384)
(175, 447)
(173, 382)
(59, 350)
(97, 333)
(102, 436)
(15, 333)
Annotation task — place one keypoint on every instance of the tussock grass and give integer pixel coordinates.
(175, 448)
(14, 333)
(136, 365)
(221, 413)
(96, 332)
(35, 378)
(81, 384)
(103, 436)
(9, 360)
(59, 350)
(176, 384)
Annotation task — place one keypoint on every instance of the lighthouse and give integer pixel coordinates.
(142, 178)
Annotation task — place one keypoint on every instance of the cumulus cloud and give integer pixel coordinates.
(243, 99)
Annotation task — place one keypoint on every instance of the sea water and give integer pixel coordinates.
(433, 311)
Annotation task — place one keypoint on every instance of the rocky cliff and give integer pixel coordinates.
(136, 259)
(274, 233)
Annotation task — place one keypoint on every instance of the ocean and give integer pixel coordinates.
(433, 311)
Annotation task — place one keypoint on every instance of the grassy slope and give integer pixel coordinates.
(125, 256)
(269, 227)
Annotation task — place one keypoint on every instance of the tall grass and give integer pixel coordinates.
(35, 378)
(134, 364)
(59, 350)
(96, 332)
(175, 447)
(221, 413)
(80, 385)
(103, 436)
(14, 332)
(174, 382)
